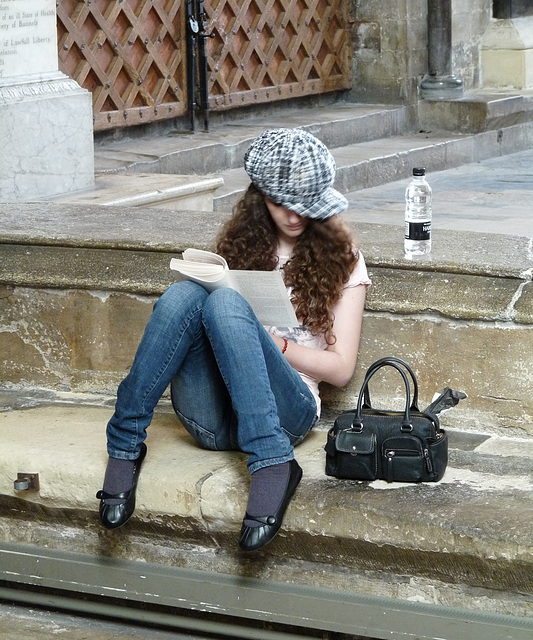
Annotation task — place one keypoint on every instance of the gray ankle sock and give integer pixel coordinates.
(118, 477)
(267, 489)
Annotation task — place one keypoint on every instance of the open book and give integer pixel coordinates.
(264, 290)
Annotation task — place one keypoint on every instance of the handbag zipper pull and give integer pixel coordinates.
(429, 465)
(390, 466)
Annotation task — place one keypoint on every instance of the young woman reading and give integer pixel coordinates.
(236, 384)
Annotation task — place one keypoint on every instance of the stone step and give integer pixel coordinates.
(338, 125)
(368, 164)
(477, 111)
(156, 191)
(462, 542)
(379, 162)
(78, 283)
(372, 144)
(223, 147)
(78, 280)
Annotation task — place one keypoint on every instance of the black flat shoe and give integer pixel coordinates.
(253, 538)
(113, 516)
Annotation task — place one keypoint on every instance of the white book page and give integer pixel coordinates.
(264, 290)
(267, 295)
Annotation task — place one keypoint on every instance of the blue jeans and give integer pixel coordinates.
(231, 386)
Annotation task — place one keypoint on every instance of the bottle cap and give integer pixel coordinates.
(419, 171)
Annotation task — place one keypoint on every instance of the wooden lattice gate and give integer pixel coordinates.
(132, 54)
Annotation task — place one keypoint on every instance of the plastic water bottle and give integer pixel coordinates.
(417, 215)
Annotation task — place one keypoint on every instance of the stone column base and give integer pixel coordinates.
(441, 88)
(46, 137)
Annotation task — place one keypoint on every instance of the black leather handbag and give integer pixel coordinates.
(396, 446)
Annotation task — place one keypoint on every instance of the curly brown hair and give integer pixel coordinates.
(321, 263)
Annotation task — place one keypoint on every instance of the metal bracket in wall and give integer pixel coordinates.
(27, 482)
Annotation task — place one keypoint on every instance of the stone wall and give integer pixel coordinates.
(390, 47)
(470, 20)
(478, 340)
(71, 316)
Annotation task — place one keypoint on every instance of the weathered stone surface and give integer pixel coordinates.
(453, 251)
(447, 295)
(523, 306)
(86, 268)
(79, 284)
(83, 225)
(491, 363)
(475, 112)
(390, 48)
(70, 339)
(461, 542)
(86, 340)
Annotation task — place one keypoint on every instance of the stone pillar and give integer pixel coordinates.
(46, 130)
(507, 54)
(440, 83)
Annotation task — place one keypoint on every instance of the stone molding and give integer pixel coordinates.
(53, 84)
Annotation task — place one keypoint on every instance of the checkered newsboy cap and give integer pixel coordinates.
(294, 169)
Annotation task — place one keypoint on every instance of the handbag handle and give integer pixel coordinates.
(357, 423)
(380, 363)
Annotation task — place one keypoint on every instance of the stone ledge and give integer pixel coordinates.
(468, 534)
(477, 112)
(111, 227)
(148, 190)
(145, 230)
(74, 277)
(405, 288)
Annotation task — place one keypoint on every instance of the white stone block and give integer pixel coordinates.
(46, 138)
(511, 69)
(46, 125)
(507, 54)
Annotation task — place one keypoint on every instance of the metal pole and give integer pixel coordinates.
(202, 61)
(192, 34)
(440, 83)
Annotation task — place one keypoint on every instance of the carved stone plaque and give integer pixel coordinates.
(28, 38)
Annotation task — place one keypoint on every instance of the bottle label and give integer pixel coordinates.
(418, 230)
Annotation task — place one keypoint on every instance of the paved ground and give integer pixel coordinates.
(493, 196)
(21, 623)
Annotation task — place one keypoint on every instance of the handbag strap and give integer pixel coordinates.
(383, 361)
(357, 423)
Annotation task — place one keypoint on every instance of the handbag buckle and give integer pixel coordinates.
(357, 427)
